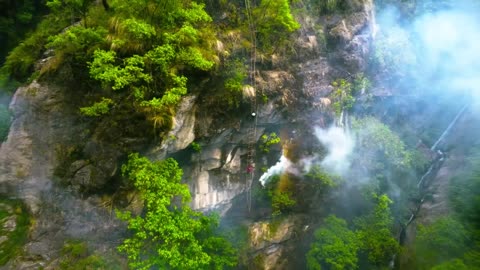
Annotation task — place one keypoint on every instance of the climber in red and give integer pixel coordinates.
(250, 168)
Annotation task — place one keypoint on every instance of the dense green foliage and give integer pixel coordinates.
(335, 246)
(437, 243)
(375, 233)
(132, 61)
(345, 91)
(146, 58)
(235, 74)
(391, 165)
(144, 54)
(170, 234)
(371, 243)
(272, 20)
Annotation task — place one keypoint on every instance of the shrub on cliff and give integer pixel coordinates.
(170, 235)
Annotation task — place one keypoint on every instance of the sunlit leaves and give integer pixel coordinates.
(161, 56)
(195, 13)
(78, 40)
(105, 69)
(170, 234)
(193, 57)
(139, 29)
(152, 44)
(98, 108)
(274, 21)
(276, 15)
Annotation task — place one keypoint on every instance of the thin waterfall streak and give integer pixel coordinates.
(426, 174)
(340, 119)
(445, 133)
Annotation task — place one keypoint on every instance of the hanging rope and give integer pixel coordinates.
(252, 130)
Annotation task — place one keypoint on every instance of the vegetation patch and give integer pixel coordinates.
(370, 243)
(77, 256)
(268, 140)
(280, 190)
(170, 234)
(14, 226)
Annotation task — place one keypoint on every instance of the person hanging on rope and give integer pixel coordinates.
(250, 168)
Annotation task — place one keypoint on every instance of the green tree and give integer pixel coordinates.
(374, 233)
(152, 45)
(170, 234)
(377, 142)
(342, 96)
(443, 240)
(335, 246)
(76, 43)
(273, 21)
(268, 140)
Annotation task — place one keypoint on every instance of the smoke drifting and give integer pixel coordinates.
(437, 53)
(339, 145)
(282, 165)
(434, 56)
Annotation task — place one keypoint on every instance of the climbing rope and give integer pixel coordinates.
(252, 130)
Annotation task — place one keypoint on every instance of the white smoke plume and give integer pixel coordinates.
(282, 165)
(340, 147)
(339, 144)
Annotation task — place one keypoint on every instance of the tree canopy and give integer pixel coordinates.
(335, 246)
(375, 233)
(169, 234)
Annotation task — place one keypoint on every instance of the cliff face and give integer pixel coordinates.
(218, 172)
(48, 138)
(44, 126)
